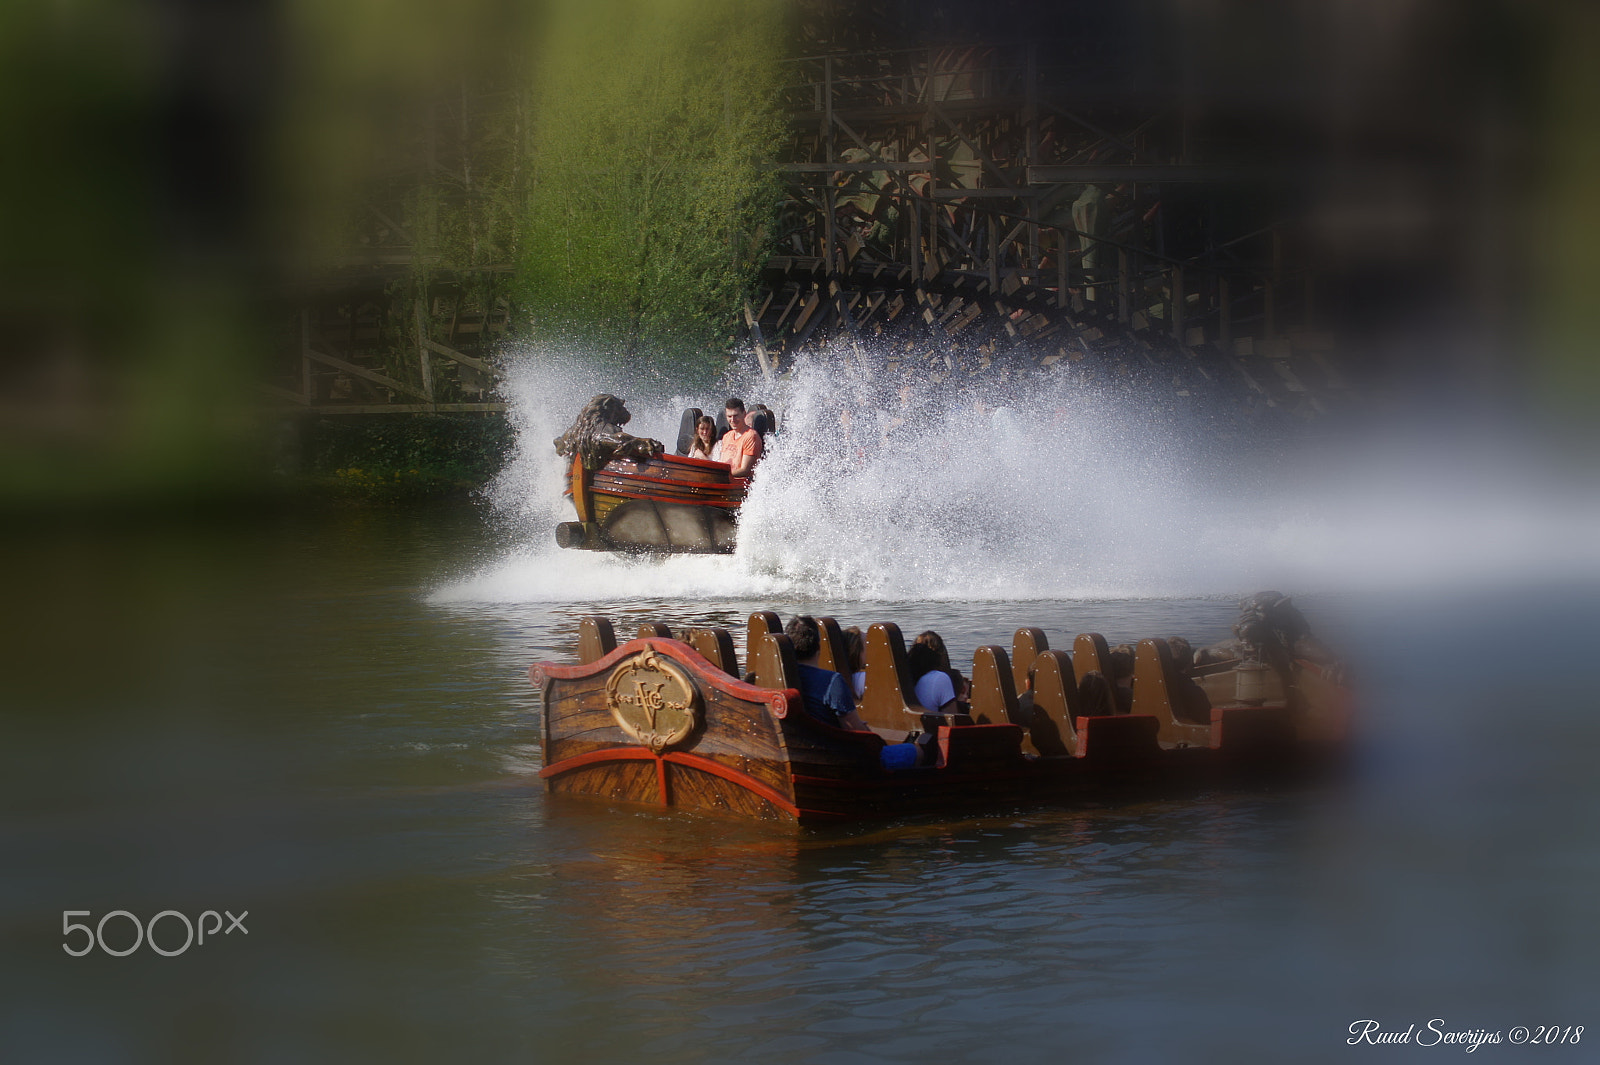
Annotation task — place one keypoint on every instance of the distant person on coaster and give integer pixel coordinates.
(826, 693)
(705, 438)
(741, 445)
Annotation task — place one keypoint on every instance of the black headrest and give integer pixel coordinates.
(686, 427)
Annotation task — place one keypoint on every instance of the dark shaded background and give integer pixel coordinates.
(177, 167)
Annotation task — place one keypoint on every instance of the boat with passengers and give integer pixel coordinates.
(675, 720)
(631, 496)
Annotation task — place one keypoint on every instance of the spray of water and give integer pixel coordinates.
(919, 489)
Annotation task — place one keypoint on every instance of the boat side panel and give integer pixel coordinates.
(617, 781)
(737, 739)
(695, 789)
(737, 734)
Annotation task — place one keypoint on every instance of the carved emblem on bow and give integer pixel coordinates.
(653, 700)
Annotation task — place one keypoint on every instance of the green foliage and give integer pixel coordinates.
(655, 122)
(405, 455)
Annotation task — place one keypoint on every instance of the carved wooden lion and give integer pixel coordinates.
(597, 436)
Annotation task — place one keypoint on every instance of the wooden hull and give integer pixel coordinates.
(718, 745)
(670, 505)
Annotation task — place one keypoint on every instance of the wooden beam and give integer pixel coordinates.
(1063, 299)
(984, 194)
(754, 323)
(1092, 128)
(849, 168)
(362, 372)
(412, 408)
(465, 360)
(1111, 173)
(423, 361)
(983, 159)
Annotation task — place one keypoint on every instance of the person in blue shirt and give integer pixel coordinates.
(827, 694)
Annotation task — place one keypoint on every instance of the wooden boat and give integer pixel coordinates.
(665, 504)
(672, 722)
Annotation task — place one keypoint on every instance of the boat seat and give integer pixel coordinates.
(596, 638)
(1091, 654)
(1026, 646)
(832, 654)
(886, 703)
(686, 428)
(716, 646)
(994, 693)
(995, 701)
(1055, 704)
(761, 622)
(1171, 698)
(655, 630)
(1096, 698)
(774, 664)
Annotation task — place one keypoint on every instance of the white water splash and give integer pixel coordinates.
(1040, 490)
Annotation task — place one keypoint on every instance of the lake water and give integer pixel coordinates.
(324, 720)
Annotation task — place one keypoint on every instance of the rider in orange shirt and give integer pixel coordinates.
(741, 445)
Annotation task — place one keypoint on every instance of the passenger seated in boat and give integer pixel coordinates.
(1189, 701)
(962, 686)
(932, 687)
(826, 693)
(1121, 667)
(855, 646)
(741, 445)
(705, 438)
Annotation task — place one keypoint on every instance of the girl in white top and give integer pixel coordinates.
(705, 439)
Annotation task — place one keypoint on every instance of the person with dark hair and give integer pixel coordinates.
(826, 694)
(1120, 665)
(741, 445)
(1189, 701)
(855, 647)
(705, 438)
(958, 683)
(931, 685)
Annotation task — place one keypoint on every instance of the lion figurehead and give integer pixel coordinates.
(597, 437)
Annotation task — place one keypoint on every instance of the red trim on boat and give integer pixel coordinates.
(692, 461)
(689, 500)
(715, 486)
(610, 754)
(683, 758)
(778, 701)
(661, 783)
(744, 780)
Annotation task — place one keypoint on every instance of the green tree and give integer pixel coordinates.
(650, 179)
